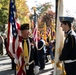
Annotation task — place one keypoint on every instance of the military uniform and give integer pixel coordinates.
(33, 59)
(68, 55)
(41, 54)
(29, 51)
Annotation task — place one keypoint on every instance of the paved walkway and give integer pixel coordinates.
(5, 67)
(48, 69)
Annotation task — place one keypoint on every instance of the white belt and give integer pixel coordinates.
(27, 66)
(69, 61)
(31, 62)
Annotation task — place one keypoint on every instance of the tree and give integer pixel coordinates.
(3, 14)
(42, 8)
(48, 17)
(22, 10)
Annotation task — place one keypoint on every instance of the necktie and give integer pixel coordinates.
(26, 51)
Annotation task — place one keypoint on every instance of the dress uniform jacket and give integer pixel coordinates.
(69, 47)
(68, 54)
(33, 57)
(41, 54)
(41, 47)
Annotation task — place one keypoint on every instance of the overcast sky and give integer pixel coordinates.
(69, 5)
(32, 3)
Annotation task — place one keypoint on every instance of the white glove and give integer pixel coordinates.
(15, 61)
(36, 69)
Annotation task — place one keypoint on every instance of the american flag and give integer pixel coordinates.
(48, 31)
(35, 37)
(14, 45)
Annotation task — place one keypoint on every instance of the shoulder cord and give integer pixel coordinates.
(40, 47)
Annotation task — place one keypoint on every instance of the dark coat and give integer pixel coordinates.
(69, 49)
(41, 54)
(33, 56)
(40, 44)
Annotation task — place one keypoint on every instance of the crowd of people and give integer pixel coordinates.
(37, 56)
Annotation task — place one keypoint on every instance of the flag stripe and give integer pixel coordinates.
(35, 29)
(48, 31)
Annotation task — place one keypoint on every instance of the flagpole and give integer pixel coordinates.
(55, 68)
(45, 32)
(34, 10)
(59, 36)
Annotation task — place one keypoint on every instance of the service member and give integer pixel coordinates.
(41, 53)
(68, 55)
(29, 50)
